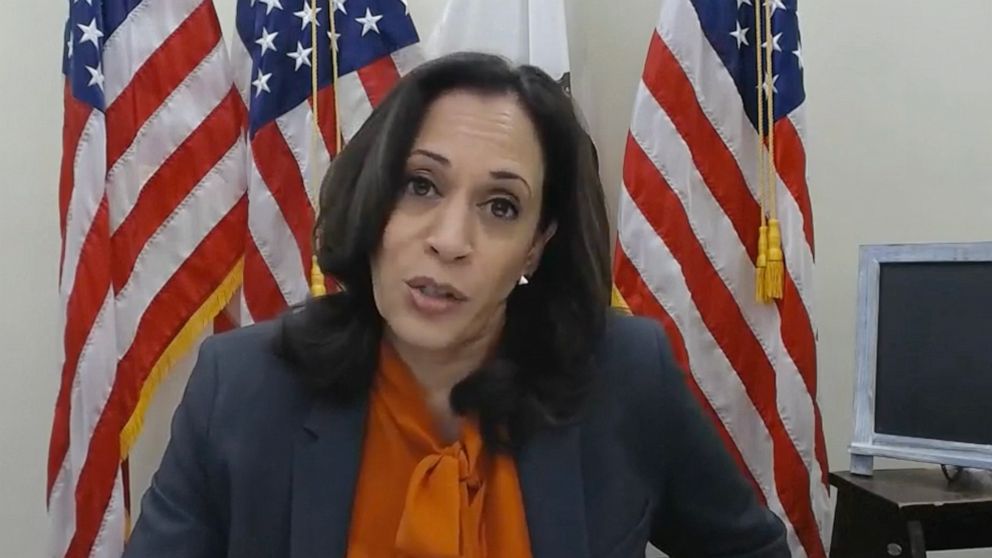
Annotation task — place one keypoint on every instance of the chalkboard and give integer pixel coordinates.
(934, 352)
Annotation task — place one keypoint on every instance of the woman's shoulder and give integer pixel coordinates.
(629, 329)
(244, 371)
(251, 346)
(637, 368)
(635, 347)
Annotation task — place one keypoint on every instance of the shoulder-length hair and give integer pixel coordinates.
(541, 370)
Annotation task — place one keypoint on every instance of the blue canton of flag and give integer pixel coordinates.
(279, 38)
(730, 27)
(84, 36)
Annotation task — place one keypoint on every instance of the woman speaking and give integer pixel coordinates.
(467, 393)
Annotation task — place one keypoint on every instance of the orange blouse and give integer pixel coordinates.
(417, 498)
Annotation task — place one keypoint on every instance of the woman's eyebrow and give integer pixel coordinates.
(499, 174)
(509, 175)
(432, 155)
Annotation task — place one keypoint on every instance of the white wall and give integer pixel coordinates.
(900, 126)
(30, 143)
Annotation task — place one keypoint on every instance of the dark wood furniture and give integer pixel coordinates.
(906, 512)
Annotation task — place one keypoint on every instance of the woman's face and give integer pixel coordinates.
(465, 226)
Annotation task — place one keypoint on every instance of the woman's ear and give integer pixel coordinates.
(541, 240)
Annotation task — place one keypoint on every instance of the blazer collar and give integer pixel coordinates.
(326, 462)
(549, 469)
(326, 459)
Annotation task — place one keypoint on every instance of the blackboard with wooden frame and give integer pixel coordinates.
(923, 390)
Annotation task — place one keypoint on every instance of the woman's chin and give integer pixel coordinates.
(432, 335)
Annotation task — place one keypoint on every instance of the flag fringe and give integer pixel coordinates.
(178, 348)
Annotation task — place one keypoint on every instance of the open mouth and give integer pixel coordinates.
(430, 288)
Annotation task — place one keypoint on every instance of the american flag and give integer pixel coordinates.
(377, 43)
(152, 210)
(689, 214)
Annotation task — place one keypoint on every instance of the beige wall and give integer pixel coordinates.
(900, 143)
(30, 136)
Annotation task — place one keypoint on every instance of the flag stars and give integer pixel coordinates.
(799, 55)
(742, 2)
(339, 6)
(96, 76)
(775, 43)
(307, 15)
(262, 83)
(778, 5)
(334, 39)
(271, 5)
(369, 22)
(774, 86)
(741, 35)
(267, 41)
(301, 56)
(69, 45)
(91, 33)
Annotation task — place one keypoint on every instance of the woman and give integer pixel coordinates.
(467, 393)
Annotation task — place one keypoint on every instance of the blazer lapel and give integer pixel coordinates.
(550, 476)
(326, 460)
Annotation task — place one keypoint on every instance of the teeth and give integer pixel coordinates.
(434, 291)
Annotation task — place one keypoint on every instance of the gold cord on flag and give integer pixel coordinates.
(317, 285)
(761, 264)
(775, 274)
(770, 264)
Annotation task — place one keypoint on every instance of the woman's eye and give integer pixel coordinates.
(503, 208)
(420, 186)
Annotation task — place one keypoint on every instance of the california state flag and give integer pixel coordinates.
(525, 31)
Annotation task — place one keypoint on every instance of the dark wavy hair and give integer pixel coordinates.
(541, 370)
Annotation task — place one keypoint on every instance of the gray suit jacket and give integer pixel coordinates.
(258, 467)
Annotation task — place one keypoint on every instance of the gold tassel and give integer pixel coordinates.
(775, 275)
(761, 265)
(317, 287)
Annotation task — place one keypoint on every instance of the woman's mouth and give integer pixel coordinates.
(432, 298)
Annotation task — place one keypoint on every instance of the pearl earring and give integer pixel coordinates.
(523, 280)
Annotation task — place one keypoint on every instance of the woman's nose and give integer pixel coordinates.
(450, 237)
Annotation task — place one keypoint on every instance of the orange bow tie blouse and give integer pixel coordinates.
(419, 498)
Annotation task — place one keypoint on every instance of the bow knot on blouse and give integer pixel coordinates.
(419, 497)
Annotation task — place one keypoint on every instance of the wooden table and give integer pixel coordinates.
(905, 512)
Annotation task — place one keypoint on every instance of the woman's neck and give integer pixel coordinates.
(439, 370)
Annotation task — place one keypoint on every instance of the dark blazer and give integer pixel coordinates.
(258, 467)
